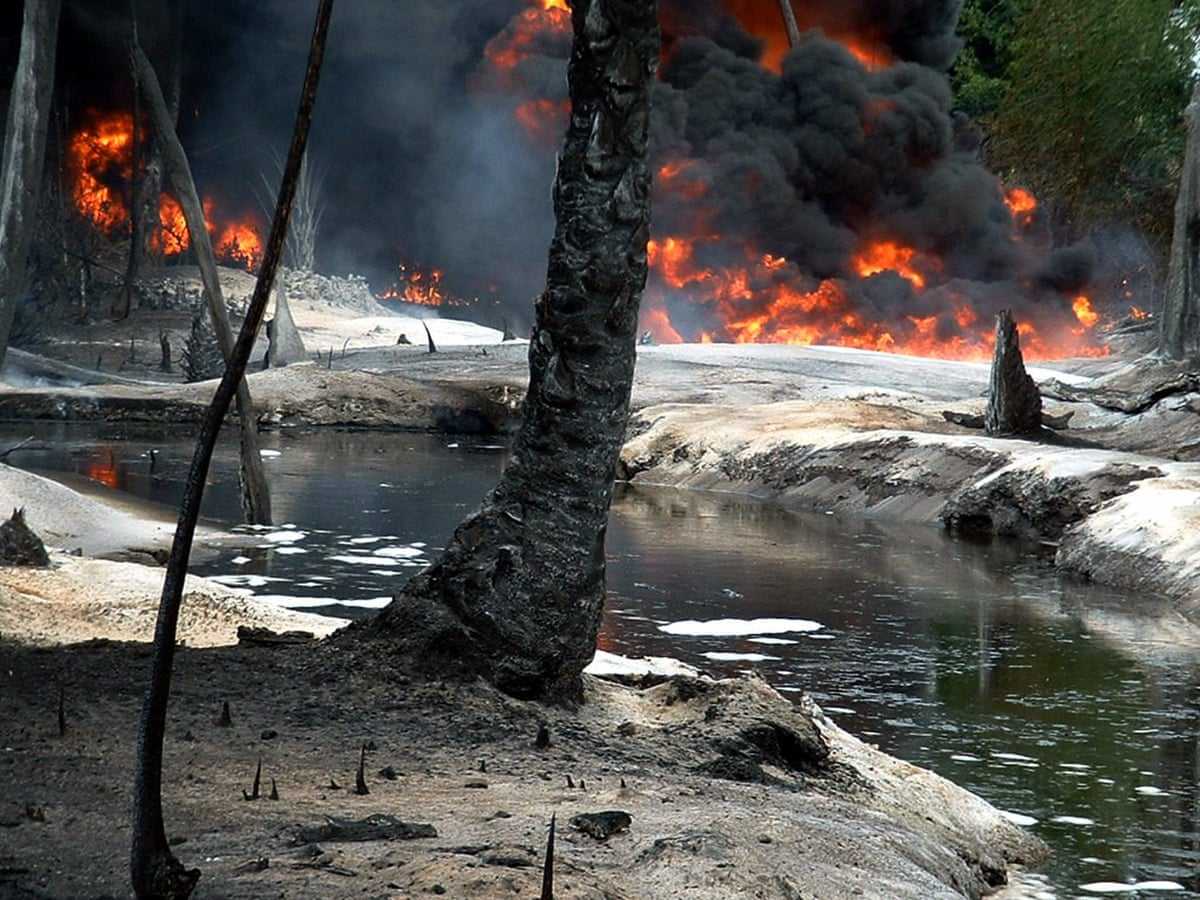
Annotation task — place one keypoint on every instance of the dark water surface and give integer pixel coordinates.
(976, 661)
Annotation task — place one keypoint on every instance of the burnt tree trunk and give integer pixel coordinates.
(286, 347)
(256, 499)
(148, 188)
(24, 154)
(1014, 402)
(1179, 337)
(789, 22)
(122, 304)
(518, 594)
(155, 872)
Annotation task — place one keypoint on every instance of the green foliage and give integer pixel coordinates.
(980, 74)
(1092, 112)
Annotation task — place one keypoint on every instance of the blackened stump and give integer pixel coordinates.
(1014, 402)
(518, 594)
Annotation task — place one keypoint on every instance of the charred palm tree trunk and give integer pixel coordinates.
(156, 873)
(1180, 329)
(256, 498)
(24, 154)
(517, 596)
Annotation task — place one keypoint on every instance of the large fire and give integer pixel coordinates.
(420, 287)
(100, 162)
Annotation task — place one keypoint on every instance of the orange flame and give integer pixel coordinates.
(1138, 314)
(98, 155)
(513, 45)
(1087, 316)
(1022, 204)
(888, 256)
(544, 120)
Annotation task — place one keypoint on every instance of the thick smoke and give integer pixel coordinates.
(438, 124)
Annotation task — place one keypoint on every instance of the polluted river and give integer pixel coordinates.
(1051, 699)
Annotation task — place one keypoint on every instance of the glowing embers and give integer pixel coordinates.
(421, 288)
(1084, 312)
(521, 38)
(1022, 204)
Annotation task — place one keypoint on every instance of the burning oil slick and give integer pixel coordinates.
(822, 194)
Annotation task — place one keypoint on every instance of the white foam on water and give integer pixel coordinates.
(1116, 887)
(244, 580)
(964, 757)
(288, 550)
(1073, 820)
(1078, 766)
(269, 454)
(240, 560)
(1019, 819)
(778, 642)
(840, 710)
(604, 663)
(362, 540)
(285, 537)
(361, 560)
(822, 637)
(1017, 757)
(420, 544)
(739, 657)
(384, 573)
(1148, 790)
(739, 627)
(296, 602)
(372, 603)
(399, 552)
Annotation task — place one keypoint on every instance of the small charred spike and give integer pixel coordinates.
(255, 792)
(622, 784)
(548, 868)
(225, 721)
(333, 785)
(570, 782)
(429, 335)
(542, 741)
(483, 765)
(99, 360)
(274, 790)
(62, 713)
(582, 785)
(360, 780)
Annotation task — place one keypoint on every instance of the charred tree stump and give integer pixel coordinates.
(1179, 336)
(517, 596)
(164, 344)
(548, 866)
(285, 346)
(1014, 403)
(20, 545)
(24, 154)
(202, 359)
(256, 498)
(154, 870)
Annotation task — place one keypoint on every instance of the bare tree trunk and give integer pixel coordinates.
(1179, 337)
(789, 21)
(123, 302)
(518, 595)
(24, 154)
(256, 498)
(1014, 402)
(155, 872)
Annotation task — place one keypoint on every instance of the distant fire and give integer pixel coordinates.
(1087, 316)
(100, 162)
(1138, 314)
(1022, 204)
(421, 288)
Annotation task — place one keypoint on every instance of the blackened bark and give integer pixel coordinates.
(789, 22)
(256, 497)
(1179, 337)
(518, 594)
(1014, 402)
(155, 872)
(24, 154)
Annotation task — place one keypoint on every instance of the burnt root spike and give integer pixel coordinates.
(360, 780)
(255, 790)
(548, 868)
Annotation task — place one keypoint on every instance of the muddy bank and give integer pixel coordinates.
(731, 791)
(1119, 518)
(303, 395)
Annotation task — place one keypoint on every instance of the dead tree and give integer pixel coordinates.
(1179, 336)
(122, 304)
(307, 213)
(518, 594)
(285, 346)
(24, 154)
(789, 22)
(256, 499)
(1014, 402)
(155, 872)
